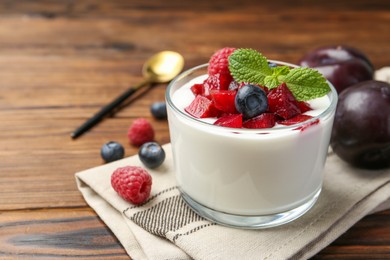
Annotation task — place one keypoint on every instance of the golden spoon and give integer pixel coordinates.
(160, 68)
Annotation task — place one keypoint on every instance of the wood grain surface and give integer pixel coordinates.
(60, 61)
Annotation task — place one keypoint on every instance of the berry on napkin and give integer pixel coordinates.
(132, 183)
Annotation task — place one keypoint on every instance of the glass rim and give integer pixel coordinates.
(333, 96)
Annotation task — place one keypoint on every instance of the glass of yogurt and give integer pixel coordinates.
(247, 178)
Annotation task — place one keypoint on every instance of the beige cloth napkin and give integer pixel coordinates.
(166, 228)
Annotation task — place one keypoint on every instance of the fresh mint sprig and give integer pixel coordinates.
(273, 80)
(248, 65)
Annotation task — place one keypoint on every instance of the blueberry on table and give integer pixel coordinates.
(112, 151)
(251, 101)
(151, 154)
(159, 110)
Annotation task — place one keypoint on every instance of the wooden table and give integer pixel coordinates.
(60, 61)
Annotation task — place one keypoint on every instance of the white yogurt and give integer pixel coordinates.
(247, 172)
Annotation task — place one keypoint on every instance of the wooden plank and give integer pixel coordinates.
(57, 234)
(368, 239)
(78, 233)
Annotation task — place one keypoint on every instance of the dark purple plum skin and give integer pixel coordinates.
(343, 66)
(361, 129)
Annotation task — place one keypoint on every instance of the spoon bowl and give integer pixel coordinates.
(163, 66)
(160, 68)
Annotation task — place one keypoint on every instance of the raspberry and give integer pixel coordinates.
(140, 132)
(304, 106)
(282, 102)
(219, 63)
(223, 100)
(198, 89)
(295, 120)
(265, 120)
(216, 82)
(132, 183)
(233, 121)
(201, 107)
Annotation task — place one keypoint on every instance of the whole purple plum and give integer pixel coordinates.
(343, 66)
(361, 129)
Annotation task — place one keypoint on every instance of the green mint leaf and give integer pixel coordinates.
(306, 83)
(247, 65)
(273, 80)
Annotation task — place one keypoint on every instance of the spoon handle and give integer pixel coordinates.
(106, 110)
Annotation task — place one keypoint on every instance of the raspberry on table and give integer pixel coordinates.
(140, 132)
(132, 183)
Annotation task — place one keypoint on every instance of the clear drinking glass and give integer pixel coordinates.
(248, 178)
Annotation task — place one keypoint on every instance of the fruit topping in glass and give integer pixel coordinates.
(245, 90)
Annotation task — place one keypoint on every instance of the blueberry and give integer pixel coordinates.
(151, 154)
(159, 110)
(112, 151)
(251, 101)
(272, 65)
